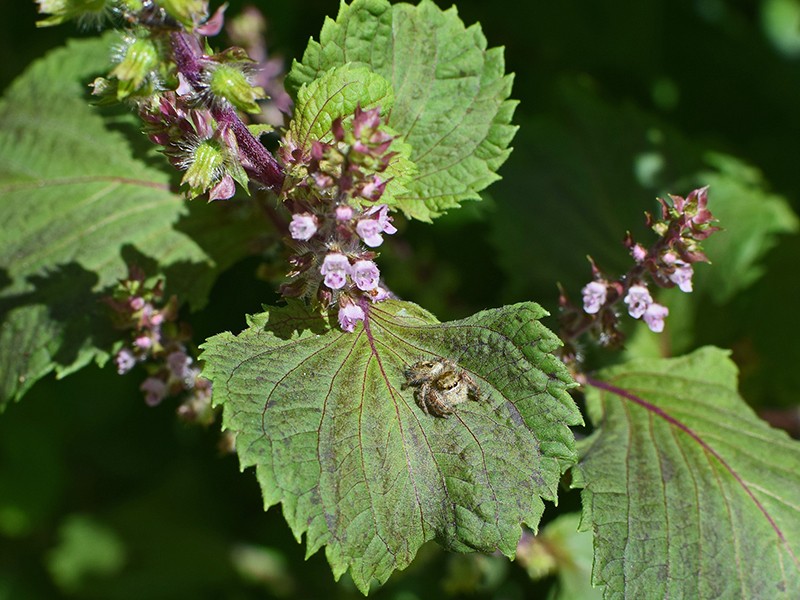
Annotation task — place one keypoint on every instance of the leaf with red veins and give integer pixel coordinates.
(338, 438)
(689, 494)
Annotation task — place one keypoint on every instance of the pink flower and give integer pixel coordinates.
(154, 389)
(370, 231)
(638, 299)
(349, 315)
(143, 342)
(366, 275)
(224, 189)
(638, 253)
(594, 296)
(682, 277)
(654, 317)
(378, 294)
(335, 268)
(344, 213)
(303, 226)
(376, 221)
(125, 361)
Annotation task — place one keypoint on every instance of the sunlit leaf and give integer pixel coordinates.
(358, 466)
(451, 93)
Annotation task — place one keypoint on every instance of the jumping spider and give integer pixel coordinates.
(440, 385)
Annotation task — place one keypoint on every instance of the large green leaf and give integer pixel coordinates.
(77, 204)
(690, 495)
(451, 93)
(356, 463)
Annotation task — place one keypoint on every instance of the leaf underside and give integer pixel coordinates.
(77, 205)
(451, 93)
(689, 494)
(356, 463)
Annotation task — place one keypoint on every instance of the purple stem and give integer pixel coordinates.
(259, 162)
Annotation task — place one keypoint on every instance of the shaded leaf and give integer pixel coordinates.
(689, 494)
(355, 462)
(451, 93)
(77, 205)
(751, 218)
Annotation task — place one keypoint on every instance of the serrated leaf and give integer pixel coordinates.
(76, 205)
(336, 94)
(451, 93)
(689, 494)
(355, 462)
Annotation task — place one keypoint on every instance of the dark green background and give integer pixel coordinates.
(601, 85)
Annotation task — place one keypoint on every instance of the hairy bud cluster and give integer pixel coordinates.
(195, 143)
(158, 342)
(683, 224)
(187, 95)
(332, 233)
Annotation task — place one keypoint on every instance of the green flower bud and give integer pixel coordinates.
(188, 12)
(230, 83)
(63, 10)
(140, 60)
(206, 167)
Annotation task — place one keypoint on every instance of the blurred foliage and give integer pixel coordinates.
(620, 102)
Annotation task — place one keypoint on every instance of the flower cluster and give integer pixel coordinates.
(187, 95)
(682, 225)
(332, 192)
(195, 143)
(158, 342)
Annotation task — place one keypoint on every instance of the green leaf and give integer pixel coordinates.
(751, 219)
(336, 94)
(77, 204)
(356, 463)
(689, 494)
(561, 549)
(451, 93)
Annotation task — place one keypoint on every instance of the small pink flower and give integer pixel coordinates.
(303, 226)
(179, 364)
(370, 231)
(224, 189)
(344, 213)
(349, 315)
(155, 390)
(639, 253)
(366, 275)
(378, 294)
(335, 268)
(376, 221)
(143, 342)
(682, 277)
(125, 360)
(638, 299)
(136, 303)
(654, 317)
(594, 296)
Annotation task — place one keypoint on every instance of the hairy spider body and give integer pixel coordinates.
(439, 386)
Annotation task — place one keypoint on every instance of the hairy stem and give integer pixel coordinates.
(257, 160)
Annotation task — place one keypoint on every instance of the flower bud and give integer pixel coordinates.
(230, 83)
(140, 59)
(205, 167)
(188, 12)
